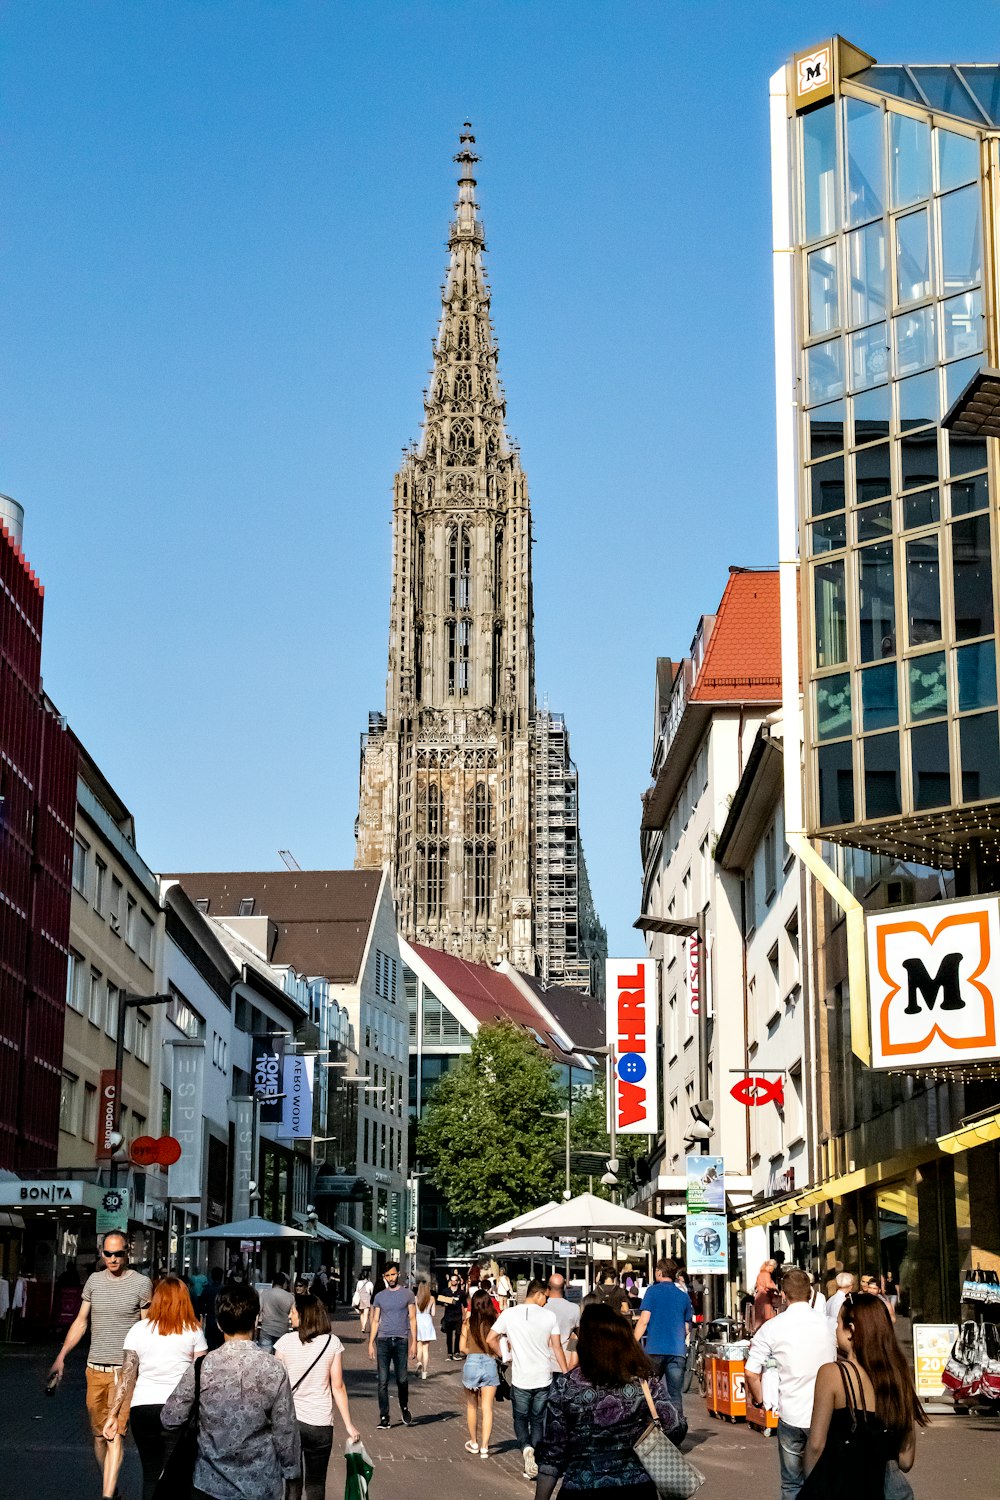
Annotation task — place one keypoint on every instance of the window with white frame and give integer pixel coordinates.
(130, 907)
(115, 905)
(141, 1037)
(129, 1029)
(76, 979)
(111, 1013)
(81, 865)
(89, 1122)
(100, 884)
(144, 946)
(770, 863)
(68, 1093)
(95, 1012)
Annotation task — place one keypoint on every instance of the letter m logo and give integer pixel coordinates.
(934, 978)
(813, 72)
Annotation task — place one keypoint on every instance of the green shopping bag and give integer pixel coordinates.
(359, 1471)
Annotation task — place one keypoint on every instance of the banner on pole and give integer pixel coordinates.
(707, 1243)
(112, 1216)
(242, 1157)
(267, 1076)
(706, 1185)
(297, 1105)
(631, 1034)
(107, 1119)
(187, 1119)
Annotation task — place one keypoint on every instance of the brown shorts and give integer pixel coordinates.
(100, 1394)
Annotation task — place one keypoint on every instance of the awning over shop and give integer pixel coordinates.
(833, 1187)
(975, 1133)
(320, 1231)
(364, 1240)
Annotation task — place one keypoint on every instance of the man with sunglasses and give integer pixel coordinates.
(113, 1302)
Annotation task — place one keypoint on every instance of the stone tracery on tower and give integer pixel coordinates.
(447, 797)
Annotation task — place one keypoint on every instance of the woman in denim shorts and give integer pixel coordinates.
(479, 1373)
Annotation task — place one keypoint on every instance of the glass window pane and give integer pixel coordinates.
(944, 91)
(923, 591)
(871, 414)
(821, 277)
(866, 263)
(922, 509)
(913, 257)
(962, 320)
(918, 400)
(976, 669)
(830, 535)
(825, 371)
(958, 159)
(928, 686)
(819, 150)
(871, 473)
(915, 344)
(980, 758)
(909, 160)
(961, 239)
(930, 766)
(830, 599)
(833, 706)
(869, 356)
(879, 706)
(875, 521)
(985, 84)
(826, 429)
(826, 482)
(836, 784)
(865, 161)
(965, 454)
(969, 495)
(957, 377)
(877, 602)
(972, 577)
(881, 757)
(918, 459)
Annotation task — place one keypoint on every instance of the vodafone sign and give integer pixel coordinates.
(631, 1034)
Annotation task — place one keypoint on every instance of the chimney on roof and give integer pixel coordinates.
(12, 517)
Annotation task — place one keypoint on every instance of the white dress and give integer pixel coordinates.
(426, 1332)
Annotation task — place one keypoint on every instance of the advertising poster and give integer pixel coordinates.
(932, 1344)
(267, 1076)
(707, 1243)
(107, 1113)
(112, 1216)
(706, 1185)
(297, 1105)
(187, 1119)
(631, 1034)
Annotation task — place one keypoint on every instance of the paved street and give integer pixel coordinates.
(46, 1451)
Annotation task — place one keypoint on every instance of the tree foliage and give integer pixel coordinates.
(484, 1140)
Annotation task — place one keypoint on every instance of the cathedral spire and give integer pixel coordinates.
(466, 225)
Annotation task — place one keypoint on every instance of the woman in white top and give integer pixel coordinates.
(313, 1359)
(426, 1332)
(157, 1351)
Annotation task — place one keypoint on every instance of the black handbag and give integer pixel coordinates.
(503, 1386)
(176, 1482)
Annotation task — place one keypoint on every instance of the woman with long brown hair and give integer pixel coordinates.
(480, 1375)
(156, 1353)
(426, 1333)
(598, 1411)
(865, 1410)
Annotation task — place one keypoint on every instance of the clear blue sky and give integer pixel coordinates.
(222, 240)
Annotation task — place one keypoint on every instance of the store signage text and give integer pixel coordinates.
(107, 1122)
(631, 1034)
(934, 983)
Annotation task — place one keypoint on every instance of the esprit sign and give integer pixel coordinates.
(934, 982)
(631, 1033)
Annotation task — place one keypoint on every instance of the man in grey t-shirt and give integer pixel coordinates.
(113, 1302)
(566, 1314)
(393, 1334)
(276, 1303)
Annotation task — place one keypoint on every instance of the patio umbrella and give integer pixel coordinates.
(511, 1226)
(254, 1228)
(587, 1215)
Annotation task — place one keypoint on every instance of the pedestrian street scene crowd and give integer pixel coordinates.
(233, 1391)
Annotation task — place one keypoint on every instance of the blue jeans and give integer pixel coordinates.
(392, 1352)
(791, 1457)
(529, 1414)
(671, 1367)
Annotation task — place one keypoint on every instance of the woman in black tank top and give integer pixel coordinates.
(865, 1410)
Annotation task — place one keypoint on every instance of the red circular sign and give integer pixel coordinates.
(144, 1151)
(170, 1150)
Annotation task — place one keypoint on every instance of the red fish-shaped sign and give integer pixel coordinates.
(757, 1090)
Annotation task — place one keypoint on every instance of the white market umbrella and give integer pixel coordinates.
(254, 1228)
(527, 1246)
(522, 1221)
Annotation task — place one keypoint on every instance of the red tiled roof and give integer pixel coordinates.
(490, 996)
(742, 661)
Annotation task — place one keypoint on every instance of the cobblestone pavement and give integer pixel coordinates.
(45, 1451)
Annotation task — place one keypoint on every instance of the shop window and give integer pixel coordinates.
(881, 770)
(980, 757)
(929, 764)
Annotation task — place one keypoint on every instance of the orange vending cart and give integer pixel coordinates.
(725, 1380)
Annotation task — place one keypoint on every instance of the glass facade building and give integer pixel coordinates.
(892, 174)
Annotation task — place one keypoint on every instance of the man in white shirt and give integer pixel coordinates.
(533, 1334)
(845, 1285)
(566, 1314)
(798, 1340)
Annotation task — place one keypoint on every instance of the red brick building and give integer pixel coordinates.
(37, 805)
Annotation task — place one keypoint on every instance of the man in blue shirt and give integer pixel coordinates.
(664, 1316)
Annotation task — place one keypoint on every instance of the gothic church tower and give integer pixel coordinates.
(447, 783)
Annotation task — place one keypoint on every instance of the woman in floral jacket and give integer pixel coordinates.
(597, 1412)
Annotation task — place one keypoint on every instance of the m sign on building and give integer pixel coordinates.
(934, 983)
(631, 1034)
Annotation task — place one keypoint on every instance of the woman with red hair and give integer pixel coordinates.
(157, 1351)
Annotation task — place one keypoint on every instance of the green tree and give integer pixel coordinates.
(483, 1138)
(589, 1132)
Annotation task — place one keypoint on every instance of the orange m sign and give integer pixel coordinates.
(934, 983)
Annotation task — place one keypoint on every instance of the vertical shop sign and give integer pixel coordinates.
(242, 1157)
(631, 1032)
(267, 1076)
(184, 1177)
(297, 1105)
(107, 1121)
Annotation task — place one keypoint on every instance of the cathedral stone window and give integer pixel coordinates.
(459, 568)
(463, 334)
(462, 439)
(463, 385)
(480, 851)
(419, 570)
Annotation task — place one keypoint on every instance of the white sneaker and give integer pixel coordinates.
(530, 1467)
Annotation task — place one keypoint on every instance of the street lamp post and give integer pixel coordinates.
(563, 1114)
